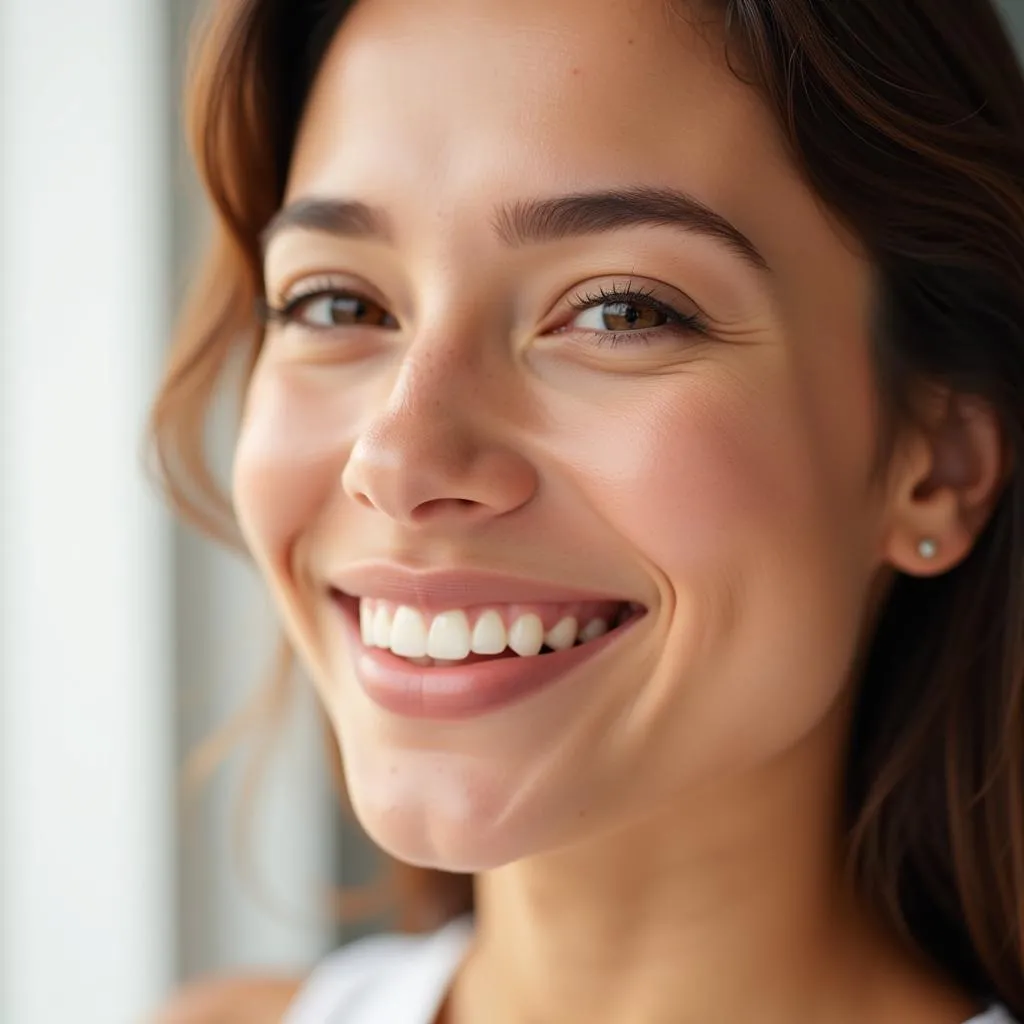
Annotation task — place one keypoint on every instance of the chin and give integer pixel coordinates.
(430, 817)
(421, 838)
(457, 854)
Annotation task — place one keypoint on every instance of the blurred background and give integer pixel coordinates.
(124, 640)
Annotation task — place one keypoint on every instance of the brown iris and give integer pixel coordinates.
(632, 316)
(354, 311)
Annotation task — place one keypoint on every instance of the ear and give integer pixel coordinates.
(949, 470)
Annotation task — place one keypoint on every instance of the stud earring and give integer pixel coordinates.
(927, 548)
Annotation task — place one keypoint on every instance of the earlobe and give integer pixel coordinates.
(952, 470)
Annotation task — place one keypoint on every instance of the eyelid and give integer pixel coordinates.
(313, 284)
(606, 288)
(657, 291)
(301, 284)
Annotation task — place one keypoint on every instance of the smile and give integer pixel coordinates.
(441, 662)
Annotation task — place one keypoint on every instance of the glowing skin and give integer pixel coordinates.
(723, 480)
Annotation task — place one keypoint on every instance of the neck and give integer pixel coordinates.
(730, 907)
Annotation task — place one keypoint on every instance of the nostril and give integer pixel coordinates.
(439, 507)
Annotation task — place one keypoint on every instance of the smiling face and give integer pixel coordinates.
(657, 390)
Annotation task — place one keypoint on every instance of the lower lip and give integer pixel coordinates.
(460, 691)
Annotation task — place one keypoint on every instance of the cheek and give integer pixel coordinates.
(288, 463)
(698, 476)
(748, 517)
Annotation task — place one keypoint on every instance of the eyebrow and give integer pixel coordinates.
(535, 221)
(346, 218)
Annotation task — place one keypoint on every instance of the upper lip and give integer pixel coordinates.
(442, 589)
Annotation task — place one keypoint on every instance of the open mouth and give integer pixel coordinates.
(468, 636)
(452, 663)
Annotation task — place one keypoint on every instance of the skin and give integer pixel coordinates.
(241, 1000)
(657, 837)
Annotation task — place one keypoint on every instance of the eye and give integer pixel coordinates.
(329, 308)
(620, 315)
(628, 314)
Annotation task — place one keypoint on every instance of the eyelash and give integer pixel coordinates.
(287, 312)
(691, 323)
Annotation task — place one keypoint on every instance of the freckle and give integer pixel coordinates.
(575, 71)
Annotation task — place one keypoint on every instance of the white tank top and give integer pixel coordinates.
(403, 979)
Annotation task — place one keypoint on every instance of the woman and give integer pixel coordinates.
(633, 396)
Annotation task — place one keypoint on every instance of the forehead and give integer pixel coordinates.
(458, 91)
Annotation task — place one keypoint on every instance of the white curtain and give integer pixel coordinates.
(85, 804)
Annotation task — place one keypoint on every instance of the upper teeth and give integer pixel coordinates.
(448, 636)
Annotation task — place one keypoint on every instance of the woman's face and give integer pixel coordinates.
(589, 336)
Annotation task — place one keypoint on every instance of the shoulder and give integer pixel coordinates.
(400, 978)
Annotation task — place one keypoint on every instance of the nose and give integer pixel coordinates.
(433, 455)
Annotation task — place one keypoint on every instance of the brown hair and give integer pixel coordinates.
(907, 118)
